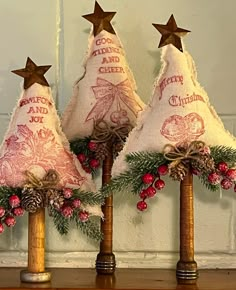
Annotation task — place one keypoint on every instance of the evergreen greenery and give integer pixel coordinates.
(90, 228)
(140, 163)
(223, 153)
(5, 193)
(204, 180)
(147, 160)
(62, 224)
(79, 146)
(89, 198)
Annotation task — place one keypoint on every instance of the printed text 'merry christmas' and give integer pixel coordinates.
(178, 101)
(166, 81)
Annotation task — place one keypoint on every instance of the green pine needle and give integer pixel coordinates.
(205, 182)
(118, 183)
(80, 146)
(147, 160)
(223, 153)
(131, 180)
(91, 229)
(5, 193)
(61, 223)
(91, 198)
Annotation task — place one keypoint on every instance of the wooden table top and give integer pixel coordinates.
(125, 279)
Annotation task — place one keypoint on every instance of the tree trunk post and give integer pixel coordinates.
(36, 249)
(105, 263)
(186, 271)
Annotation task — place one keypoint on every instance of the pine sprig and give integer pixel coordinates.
(223, 153)
(90, 229)
(6, 192)
(204, 180)
(118, 183)
(90, 198)
(80, 145)
(61, 223)
(131, 180)
(147, 160)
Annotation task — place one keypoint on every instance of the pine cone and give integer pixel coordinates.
(101, 151)
(117, 147)
(178, 170)
(32, 199)
(205, 163)
(55, 198)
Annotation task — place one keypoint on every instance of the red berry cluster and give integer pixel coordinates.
(153, 183)
(7, 215)
(73, 205)
(88, 161)
(224, 176)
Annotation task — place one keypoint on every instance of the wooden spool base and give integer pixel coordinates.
(186, 269)
(30, 277)
(105, 263)
(186, 272)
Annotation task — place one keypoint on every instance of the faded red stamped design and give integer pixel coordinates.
(177, 128)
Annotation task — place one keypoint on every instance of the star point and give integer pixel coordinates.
(171, 33)
(33, 74)
(100, 19)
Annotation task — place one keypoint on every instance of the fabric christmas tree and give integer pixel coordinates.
(37, 168)
(104, 101)
(179, 129)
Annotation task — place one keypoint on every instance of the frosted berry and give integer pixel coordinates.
(92, 146)
(81, 157)
(76, 203)
(18, 211)
(141, 205)
(67, 211)
(10, 221)
(231, 174)
(159, 184)
(67, 192)
(83, 216)
(214, 178)
(151, 191)
(143, 194)
(1, 228)
(87, 169)
(14, 200)
(2, 211)
(148, 178)
(222, 166)
(162, 169)
(94, 163)
(226, 183)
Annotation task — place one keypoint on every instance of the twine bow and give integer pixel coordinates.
(179, 153)
(103, 132)
(50, 180)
